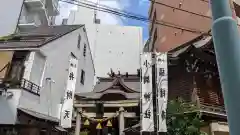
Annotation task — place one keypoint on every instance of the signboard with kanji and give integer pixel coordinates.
(66, 112)
(162, 90)
(146, 93)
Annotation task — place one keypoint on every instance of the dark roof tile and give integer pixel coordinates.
(36, 37)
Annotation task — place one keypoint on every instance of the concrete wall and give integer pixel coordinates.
(35, 16)
(9, 12)
(29, 17)
(9, 107)
(117, 47)
(112, 46)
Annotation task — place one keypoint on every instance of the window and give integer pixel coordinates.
(84, 50)
(79, 41)
(97, 21)
(82, 77)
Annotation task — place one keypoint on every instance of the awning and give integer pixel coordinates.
(39, 115)
(60, 129)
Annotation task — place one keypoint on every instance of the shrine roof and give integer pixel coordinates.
(132, 83)
(199, 53)
(199, 42)
(128, 86)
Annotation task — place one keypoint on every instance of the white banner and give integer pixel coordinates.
(146, 93)
(162, 89)
(66, 111)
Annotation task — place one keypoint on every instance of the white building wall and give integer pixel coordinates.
(117, 47)
(9, 14)
(113, 46)
(57, 55)
(20, 13)
(8, 106)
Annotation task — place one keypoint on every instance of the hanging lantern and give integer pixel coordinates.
(86, 123)
(109, 124)
(99, 126)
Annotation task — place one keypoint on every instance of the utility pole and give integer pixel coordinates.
(154, 93)
(227, 48)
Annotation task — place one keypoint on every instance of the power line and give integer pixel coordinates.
(134, 16)
(129, 15)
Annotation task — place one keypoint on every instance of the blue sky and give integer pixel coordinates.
(139, 7)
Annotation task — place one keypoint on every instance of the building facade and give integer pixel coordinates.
(40, 12)
(185, 20)
(113, 46)
(34, 72)
(27, 13)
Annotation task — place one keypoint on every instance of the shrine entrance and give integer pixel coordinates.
(103, 128)
(113, 100)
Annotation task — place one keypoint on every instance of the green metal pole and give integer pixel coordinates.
(227, 48)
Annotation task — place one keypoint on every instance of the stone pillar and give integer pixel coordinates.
(121, 120)
(78, 123)
(211, 129)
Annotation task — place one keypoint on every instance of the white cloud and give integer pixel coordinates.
(106, 18)
(142, 2)
(65, 9)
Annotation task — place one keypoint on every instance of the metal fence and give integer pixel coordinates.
(30, 86)
(23, 84)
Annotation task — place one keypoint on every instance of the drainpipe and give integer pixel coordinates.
(227, 49)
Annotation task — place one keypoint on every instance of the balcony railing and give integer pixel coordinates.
(23, 84)
(30, 86)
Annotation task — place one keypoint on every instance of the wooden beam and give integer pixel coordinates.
(121, 103)
(108, 105)
(126, 114)
(109, 102)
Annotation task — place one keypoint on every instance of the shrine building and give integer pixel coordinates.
(111, 107)
(193, 75)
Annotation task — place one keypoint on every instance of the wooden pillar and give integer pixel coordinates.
(78, 123)
(121, 121)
